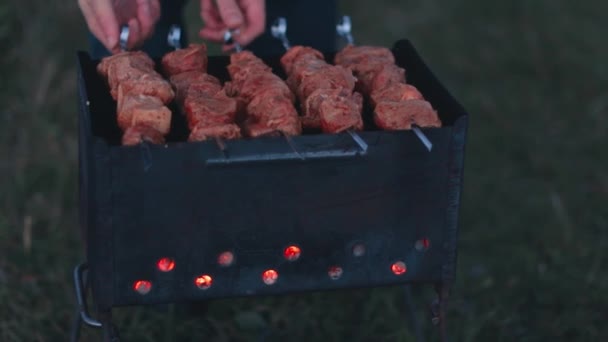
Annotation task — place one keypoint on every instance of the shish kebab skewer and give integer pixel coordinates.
(209, 112)
(279, 31)
(343, 28)
(228, 40)
(174, 41)
(141, 94)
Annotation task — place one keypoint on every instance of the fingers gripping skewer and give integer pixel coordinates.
(279, 31)
(174, 40)
(344, 29)
(229, 39)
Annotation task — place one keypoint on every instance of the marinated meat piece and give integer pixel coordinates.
(240, 72)
(182, 82)
(120, 72)
(135, 135)
(210, 111)
(297, 52)
(263, 83)
(147, 84)
(192, 58)
(143, 110)
(333, 77)
(266, 99)
(137, 59)
(290, 127)
(310, 109)
(227, 131)
(390, 115)
(254, 129)
(387, 75)
(333, 110)
(340, 112)
(302, 69)
(203, 89)
(396, 92)
(363, 54)
(275, 112)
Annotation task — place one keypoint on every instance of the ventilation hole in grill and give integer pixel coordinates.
(423, 244)
(203, 282)
(225, 259)
(292, 253)
(359, 250)
(335, 272)
(399, 268)
(142, 286)
(166, 264)
(270, 277)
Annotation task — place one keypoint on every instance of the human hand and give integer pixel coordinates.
(246, 16)
(104, 18)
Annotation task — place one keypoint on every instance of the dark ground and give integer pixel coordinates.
(532, 263)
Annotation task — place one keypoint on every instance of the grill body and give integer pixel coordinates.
(191, 202)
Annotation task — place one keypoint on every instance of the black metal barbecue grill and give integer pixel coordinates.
(190, 221)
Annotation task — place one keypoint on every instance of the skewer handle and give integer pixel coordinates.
(344, 29)
(279, 31)
(229, 39)
(174, 37)
(124, 37)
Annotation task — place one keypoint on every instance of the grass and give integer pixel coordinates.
(532, 254)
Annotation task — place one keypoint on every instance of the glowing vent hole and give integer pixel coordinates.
(165, 264)
(225, 259)
(203, 282)
(335, 272)
(423, 244)
(270, 277)
(399, 268)
(142, 286)
(292, 253)
(359, 250)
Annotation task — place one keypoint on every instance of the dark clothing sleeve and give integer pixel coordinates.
(309, 22)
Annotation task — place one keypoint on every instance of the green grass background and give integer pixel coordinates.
(534, 225)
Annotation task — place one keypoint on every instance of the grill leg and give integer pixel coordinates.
(438, 309)
(411, 313)
(76, 325)
(110, 332)
(81, 285)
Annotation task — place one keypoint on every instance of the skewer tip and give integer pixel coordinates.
(423, 138)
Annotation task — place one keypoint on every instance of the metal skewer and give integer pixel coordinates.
(279, 31)
(229, 39)
(174, 37)
(124, 37)
(344, 28)
(174, 40)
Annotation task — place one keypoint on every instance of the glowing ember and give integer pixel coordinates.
(165, 264)
(423, 244)
(203, 282)
(292, 253)
(359, 250)
(335, 272)
(225, 259)
(399, 268)
(270, 277)
(142, 286)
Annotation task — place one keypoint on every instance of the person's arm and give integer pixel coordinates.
(104, 18)
(246, 16)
